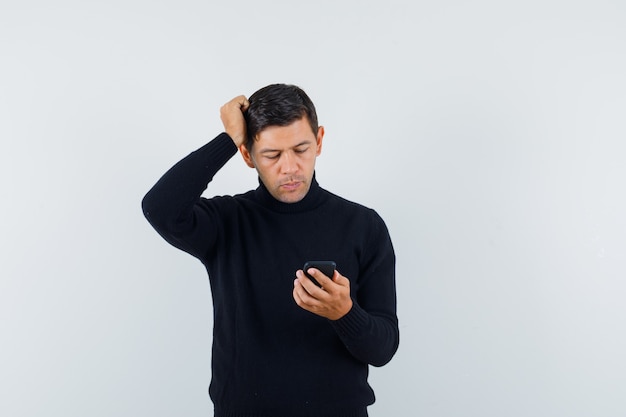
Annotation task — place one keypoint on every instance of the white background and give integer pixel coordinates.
(489, 135)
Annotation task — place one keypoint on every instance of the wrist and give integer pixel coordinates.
(237, 138)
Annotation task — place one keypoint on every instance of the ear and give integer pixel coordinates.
(246, 155)
(320, 138)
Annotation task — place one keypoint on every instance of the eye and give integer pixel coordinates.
(302, 150)
(272, 156)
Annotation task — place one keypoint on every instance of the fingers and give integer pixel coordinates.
(320, 278)
(239, 102)
(303, 294)
(234, 123)
(332, 301)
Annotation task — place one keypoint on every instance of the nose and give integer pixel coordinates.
(289, 163)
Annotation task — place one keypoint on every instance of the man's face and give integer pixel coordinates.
(284, 157)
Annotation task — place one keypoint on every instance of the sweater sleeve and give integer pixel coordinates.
(173, 206)
(370, 329)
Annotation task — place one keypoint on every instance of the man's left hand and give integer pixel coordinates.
(332, 300)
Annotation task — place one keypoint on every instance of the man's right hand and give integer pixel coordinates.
(231, 114)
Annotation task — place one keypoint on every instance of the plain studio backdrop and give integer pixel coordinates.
(489, 135)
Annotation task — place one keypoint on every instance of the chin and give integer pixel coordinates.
(290, 198)
(293, 196)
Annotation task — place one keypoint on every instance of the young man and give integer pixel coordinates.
(282, 347)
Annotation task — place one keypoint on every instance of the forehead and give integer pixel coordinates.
(280, 137)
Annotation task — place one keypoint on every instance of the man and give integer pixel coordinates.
(282, 347)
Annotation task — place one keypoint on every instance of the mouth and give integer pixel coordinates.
(290, 186)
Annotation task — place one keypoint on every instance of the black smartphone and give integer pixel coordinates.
(325, 267)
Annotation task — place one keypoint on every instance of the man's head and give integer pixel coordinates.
(283, 140)
(277, 105)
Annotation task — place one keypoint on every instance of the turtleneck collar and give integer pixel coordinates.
(311, 200)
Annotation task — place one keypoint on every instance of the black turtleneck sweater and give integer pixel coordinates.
(270, 357)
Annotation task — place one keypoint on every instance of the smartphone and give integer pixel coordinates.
(325, 267)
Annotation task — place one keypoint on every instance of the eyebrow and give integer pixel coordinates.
(269, 150)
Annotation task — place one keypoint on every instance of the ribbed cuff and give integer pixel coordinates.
(221, 149)
(352, 324)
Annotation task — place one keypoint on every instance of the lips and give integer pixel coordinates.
(291, 185)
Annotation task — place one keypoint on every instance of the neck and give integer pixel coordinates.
(313, 198)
